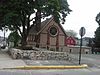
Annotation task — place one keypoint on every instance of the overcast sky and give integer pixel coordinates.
(83, 15)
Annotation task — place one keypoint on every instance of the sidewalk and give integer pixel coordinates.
(6, 61)
(11, 63)
(48, 62)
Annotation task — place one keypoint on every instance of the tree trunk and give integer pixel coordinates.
(38, 26)
(24, 43)
(24, 31)
(38, 20)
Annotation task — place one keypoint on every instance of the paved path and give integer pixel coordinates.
(47, 62)
(6, 61)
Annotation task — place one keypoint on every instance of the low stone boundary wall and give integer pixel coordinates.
(38, 55)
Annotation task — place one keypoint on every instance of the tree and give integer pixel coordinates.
(18, 14)
(2, 13)
(14, 37)
(97, 32)
(71, 33)
(98, 19)
(97, 37)
(58, 8)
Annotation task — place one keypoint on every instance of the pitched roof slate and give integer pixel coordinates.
(43, 25)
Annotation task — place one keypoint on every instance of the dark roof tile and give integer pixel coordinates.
(33, 29)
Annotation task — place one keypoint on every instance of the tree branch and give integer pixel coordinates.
(32, 19)
(19, 30)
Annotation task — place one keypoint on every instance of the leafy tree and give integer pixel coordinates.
(97, 32)
(2, 13)
(97, 37)
(98, 18)
(14, 37)
(16, 14)
(58, 8)
(71, 33)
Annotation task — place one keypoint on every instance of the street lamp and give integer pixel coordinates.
(82, 33)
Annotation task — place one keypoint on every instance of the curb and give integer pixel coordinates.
(49, 67)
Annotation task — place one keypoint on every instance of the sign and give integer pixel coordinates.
(82, 31)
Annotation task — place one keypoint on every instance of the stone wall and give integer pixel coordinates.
(38, 55)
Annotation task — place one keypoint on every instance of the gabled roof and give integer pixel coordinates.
(63, 29)
(70, 41)
(43, 25)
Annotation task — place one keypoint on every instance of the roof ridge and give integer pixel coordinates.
(46, 24)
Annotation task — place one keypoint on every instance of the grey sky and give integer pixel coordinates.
(84, 13)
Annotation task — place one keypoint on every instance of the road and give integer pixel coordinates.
(52, 72)
(92, 60)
